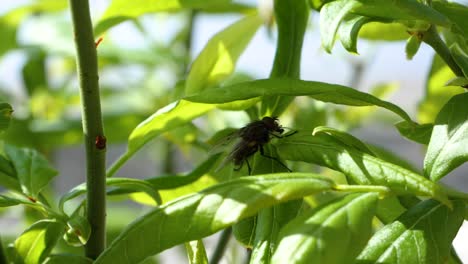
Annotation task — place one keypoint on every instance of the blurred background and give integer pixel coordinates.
(141, 61)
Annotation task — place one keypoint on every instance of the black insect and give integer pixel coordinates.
(252, 139)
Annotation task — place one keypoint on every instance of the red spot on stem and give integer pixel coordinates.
(100, 142)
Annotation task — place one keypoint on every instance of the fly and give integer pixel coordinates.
(252, 139)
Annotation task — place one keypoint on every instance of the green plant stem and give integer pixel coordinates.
(92, 126)
(362, 188)
(452, 193)
(118, 163)
(432, 38)
(221, 246)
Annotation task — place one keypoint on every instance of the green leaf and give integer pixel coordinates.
(34, 70)
(244, 231)
(333, 233)
(127, 183)
(5, 116)
(461, 58)
(196, 252)
(218, 58)
(412, 46)
(423, 234)
(334, 13)
(36, 242)
(325, 92)
(458, 81)
(361, 168)
(437, 93)
(447, 148)
(417, 133)
(67, 258)
(291, 18)
(122, 10)
(201, 214)
(457, 13)
(349, 31)
(344, 138)
(6, 201)
(33, 170)
(167, 118)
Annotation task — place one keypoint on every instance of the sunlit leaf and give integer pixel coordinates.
(349, 31)
(361, 168)
(345, 138)
(437, 93)
(333, 233)
(219, 56)
(122, 10)
(383, 31)
(423, 234)
(196, 252)
(33, 170)
(447, 148)
(201, 214)
(412, 46)
(36, 242)
(326, 92)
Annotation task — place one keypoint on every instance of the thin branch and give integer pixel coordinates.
(221, 246)
(95, 142)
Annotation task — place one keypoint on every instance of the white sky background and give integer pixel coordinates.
(385, 62)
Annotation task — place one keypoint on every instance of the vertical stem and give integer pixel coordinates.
(92, 125)
(3, 258)
(221, 246)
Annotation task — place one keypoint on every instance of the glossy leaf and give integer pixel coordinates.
(334, 13)
(333, 233)
(78, 231)
(122, 10)
(361, 168)
(167, 118)
(417, 133)
(447, 148)
(33, 170)
(196, 252)
(325, 92)
(67, 258)
(127, 183)
(218, 58)
(349, 31)
(201, 214)
(344, 138)
(423, 234)
(36, 242)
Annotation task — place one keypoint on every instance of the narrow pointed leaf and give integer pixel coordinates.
(333, 233)
(447, 148)
(423, 234)
(461, 57)
(165, 119)
(35, 244)
(345, 138)
(349, 31)
(33, 170)
(331, 16)
(417, 133)
(201, 214)
(218, 58)
(361, 168)
(325, 92)
(67, 258)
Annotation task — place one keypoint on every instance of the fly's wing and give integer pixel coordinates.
(230, 157)
(223, 140)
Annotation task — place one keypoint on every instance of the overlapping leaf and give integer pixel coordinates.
(361, 168)
(333, 233)
(447, 148)
(423, 234)
(206, 212)
(325, 92)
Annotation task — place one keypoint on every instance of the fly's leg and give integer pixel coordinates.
(248, 166)
(273, 158)
(285, 135)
